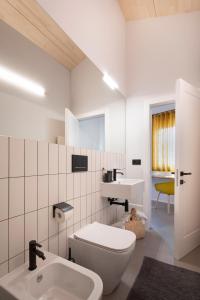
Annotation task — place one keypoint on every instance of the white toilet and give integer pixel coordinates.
(103, 249)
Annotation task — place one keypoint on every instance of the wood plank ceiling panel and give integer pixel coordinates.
(141, 9)
(28, 18)
(172, 7)
(137, 9)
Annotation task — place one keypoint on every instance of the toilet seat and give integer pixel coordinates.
(107, 237)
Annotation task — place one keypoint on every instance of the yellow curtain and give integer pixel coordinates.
(163, 141)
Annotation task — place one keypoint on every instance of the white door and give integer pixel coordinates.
(71, 129)
(187, 186)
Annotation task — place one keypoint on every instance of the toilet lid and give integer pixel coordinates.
(105, 236)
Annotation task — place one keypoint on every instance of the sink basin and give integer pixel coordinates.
(123, 188)
(55, 279)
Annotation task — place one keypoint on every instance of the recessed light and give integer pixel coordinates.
(21, 82)
(110, 82)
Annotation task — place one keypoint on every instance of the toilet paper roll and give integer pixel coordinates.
(61, 216)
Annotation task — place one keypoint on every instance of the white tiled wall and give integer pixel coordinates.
(34, 175)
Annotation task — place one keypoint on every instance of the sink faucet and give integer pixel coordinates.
(115, 172)
(33, 252)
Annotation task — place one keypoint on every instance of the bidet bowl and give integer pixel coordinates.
(55, 279)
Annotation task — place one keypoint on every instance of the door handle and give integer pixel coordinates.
(184, 174)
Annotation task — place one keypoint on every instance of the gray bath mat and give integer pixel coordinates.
(160, 281)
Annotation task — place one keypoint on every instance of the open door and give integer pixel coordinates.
(187, 190)
(71, 129)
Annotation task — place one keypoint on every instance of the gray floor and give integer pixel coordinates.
(158, 244)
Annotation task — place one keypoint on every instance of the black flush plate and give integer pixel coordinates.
(136, 162)
(79, 163)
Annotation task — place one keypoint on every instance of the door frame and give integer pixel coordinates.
(148, 151)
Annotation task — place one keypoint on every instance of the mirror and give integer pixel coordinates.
(94, 116)
(97, 116)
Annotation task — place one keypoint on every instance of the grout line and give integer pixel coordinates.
(8, 201)
(48, 196)
(37, 195)
(24, 204)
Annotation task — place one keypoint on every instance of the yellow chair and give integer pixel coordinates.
(166, 188)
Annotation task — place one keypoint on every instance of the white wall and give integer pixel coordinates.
(90, 95)
(160, 50)
(21, 114)
(98, 28)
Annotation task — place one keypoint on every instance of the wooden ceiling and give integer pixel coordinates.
(141, 9)
(28, 18)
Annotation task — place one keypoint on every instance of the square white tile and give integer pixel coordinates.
(53, 159)
(93, 203)
(70, 220)
(43, 215)
(83, 223)
(83, 151)
(102, 160)
(93, 182)
(16, 196)
(98, 180)
(89, 205)
(70, 186)
(4, 241)
(30, 193)
(70, 151)
(16, 236)
(89, 182)
(77, 151)
(62, 187)
(77, 185)
(16, 261)
(30, 228)
(98, 161)
(53, 189)
(3, 269)
(43, 191)
(4, 199)
(16, 157)
(89, 154)
(43, 159)
(45, 245)
(83, 184)
(77, 226)
(30, 157)
(97, 201)
(83, 207)
(63, 244)
(53, 244)
(3, 157)
(93, 160)
(62, 166)
(70, 231)
(53, 225)
(77, 210)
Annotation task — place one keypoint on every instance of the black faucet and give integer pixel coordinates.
(115, 172)
(33, 252)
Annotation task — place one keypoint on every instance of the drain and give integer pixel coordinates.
(39, 278)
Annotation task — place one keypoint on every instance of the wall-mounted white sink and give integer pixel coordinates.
(55, 279)
(124, 188)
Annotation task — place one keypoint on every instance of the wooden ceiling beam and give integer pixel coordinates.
(32, 22)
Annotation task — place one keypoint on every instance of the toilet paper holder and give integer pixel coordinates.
(63, 206)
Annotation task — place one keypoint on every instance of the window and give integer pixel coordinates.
(92, 132)
(163, 141)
